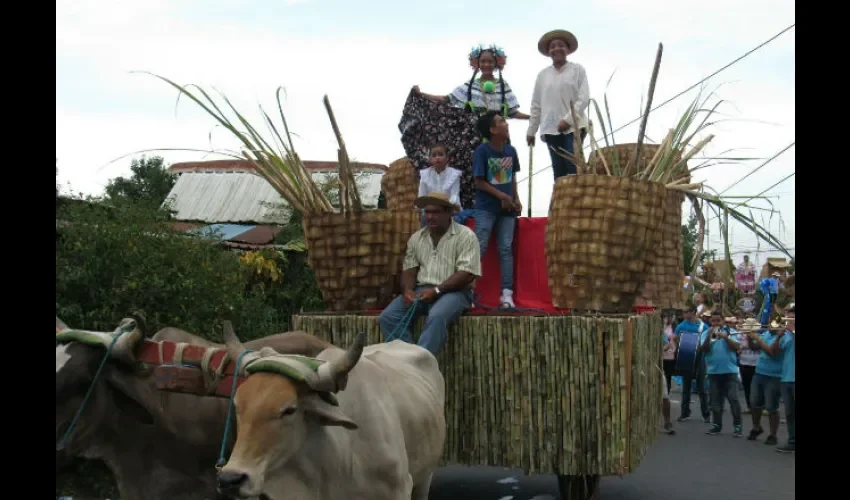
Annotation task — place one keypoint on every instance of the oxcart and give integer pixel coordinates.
(575, 396)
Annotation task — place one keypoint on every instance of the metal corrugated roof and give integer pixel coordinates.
(239, 197)
(224, 197)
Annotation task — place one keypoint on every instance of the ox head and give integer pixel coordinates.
(281, 403)
(78, 356)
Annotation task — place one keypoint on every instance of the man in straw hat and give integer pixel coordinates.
(440, 267)
(556, 86)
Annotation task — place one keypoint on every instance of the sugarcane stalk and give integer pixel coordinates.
(642, 130)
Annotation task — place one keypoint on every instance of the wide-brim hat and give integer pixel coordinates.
(437, 198)
(566, 36)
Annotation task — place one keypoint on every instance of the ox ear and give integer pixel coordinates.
(324, 413)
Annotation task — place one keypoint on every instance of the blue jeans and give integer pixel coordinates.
(789, 396)
(504, 225)
(560, 165)
(441, 313)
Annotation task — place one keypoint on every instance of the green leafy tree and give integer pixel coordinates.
(690, 234)
(149, 185)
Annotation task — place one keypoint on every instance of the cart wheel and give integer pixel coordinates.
(578, 487)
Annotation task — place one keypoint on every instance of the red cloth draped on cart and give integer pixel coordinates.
(531, 284)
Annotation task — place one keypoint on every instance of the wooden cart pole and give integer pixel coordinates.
(530, 172)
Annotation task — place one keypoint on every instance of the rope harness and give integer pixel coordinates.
(90, 390)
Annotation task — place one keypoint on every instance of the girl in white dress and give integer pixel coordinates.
(440, 177)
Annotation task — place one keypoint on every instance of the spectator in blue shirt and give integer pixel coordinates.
(765, 390)
(721, 361)
(495, 164)
(693, 325)
(785, 344)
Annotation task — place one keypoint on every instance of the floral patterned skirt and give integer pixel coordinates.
(425, 122)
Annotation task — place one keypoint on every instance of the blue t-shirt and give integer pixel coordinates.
(787, 346)
(767, 364)
(688, 327)
(498, 168)
(720, 360)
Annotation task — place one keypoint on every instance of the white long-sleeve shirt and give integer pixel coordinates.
(550, 102)
(447, 181)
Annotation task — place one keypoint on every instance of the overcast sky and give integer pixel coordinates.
(367, 54)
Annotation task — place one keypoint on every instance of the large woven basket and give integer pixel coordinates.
(599, 240)
(400, 184)
(662, 287)
(357, 258)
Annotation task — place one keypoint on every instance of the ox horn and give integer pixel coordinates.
(333, 375)
(60, 325)
(234, 346)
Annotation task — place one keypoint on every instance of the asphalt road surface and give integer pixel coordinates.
(688, 465)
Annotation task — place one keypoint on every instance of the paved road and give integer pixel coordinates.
(718, 467)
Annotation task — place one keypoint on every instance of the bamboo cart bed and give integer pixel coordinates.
(567, 395)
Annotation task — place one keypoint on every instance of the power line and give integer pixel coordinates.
(759, 168)
(792, 174)
(680, 94)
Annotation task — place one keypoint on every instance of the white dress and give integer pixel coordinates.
(447, 181)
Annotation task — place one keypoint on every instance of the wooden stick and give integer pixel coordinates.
(530, 172)
(580, 164)
(345, 175)
(645, 117)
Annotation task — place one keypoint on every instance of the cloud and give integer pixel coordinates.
(104, 111)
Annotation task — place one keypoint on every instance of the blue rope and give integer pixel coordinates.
(399, 330)
(89, 392)
(221, 460)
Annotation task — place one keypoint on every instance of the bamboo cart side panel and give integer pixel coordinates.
(564, 395)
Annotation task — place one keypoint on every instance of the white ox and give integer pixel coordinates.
(382, 439)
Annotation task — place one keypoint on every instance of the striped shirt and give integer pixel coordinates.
(482, 100)
(458, 250)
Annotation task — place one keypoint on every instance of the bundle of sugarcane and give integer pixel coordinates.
(665, 164)
(599, 240)
(355, 254)
(357, 259)
(400, 184)
(273, 158)
(562, 394)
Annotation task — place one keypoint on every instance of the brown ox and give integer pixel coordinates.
(381, 440)
(159, 445)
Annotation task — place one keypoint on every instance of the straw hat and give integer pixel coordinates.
(436, 198)
(776, 274)
(566, 36)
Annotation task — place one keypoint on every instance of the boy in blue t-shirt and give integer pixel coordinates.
(721, 362)
(786, 343)
(766, 389)
(494, 166)
(695, 380)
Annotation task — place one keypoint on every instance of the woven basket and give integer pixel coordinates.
(599, 238)
(357, 258)
(400, 184)
(662, 287)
